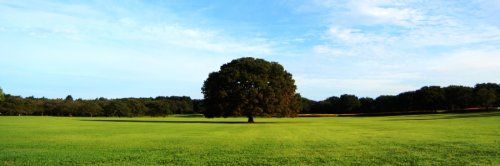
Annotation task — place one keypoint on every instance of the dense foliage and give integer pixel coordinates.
(250, 87)
(425, 99)
(125, 107)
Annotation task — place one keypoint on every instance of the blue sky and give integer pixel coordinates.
(127, 48)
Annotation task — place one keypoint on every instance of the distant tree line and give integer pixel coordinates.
(425, 99)
(124, 107)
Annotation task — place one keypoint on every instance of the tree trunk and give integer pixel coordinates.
(250, 119)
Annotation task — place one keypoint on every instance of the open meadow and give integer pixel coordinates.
(438, 139)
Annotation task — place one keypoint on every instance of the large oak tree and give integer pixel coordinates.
(250, 87)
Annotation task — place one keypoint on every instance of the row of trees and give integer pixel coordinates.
(429, 98)
(126, 107)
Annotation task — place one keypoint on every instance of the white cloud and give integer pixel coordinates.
(81, 22)
(376, 47)
(101, 48)
(205, 40)
(377, 28)
(385, 12)
(328, 51)
(362, 47)
(347, 35)
(451, 35)
(351, 36)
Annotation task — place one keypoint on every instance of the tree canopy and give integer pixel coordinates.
(250, 87)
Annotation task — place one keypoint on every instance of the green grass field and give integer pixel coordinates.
(439, 139)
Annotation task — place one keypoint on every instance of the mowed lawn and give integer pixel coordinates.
(439, 139)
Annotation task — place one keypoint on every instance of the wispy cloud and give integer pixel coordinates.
(115, 45)
(385, 12)
(205, 40)
(80, 22)
(404, 23)
(420, 43)
(365, 47)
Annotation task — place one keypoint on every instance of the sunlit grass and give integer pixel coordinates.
(450, 139)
